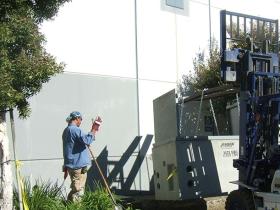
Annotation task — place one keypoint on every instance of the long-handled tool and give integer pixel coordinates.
(117, 206)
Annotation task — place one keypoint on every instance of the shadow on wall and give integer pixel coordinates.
(116, 175)
(187, 168)
(197, 168)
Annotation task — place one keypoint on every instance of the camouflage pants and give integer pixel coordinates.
(78, 180)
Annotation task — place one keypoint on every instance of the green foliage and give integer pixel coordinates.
(258, 34)
(44, 10)
(24, 63)
(97, 200)
(206, 73)
(42, 196)
(47, 196)
(41, 9)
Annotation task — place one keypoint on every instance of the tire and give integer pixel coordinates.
(240, 200)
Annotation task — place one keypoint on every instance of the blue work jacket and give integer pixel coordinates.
(75, 150)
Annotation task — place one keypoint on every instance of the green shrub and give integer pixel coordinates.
(97, 200)
(42, 196)
(47, 196)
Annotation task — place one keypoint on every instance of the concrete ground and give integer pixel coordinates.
(216, 203)
(212, 203)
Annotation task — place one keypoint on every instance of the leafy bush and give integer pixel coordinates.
(96, 200)
(47, 196)
(42, 196)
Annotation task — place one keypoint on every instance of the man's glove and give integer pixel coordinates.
(96, 123)
(64, 169)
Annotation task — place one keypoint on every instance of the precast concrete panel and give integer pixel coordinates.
(165, 117)
(165, 180)
(38, 138)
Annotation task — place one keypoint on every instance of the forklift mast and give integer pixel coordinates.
(250, 59)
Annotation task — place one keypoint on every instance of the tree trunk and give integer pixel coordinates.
(6, 178)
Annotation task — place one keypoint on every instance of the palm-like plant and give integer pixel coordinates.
(48, 196)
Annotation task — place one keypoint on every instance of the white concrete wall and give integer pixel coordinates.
(98, 37)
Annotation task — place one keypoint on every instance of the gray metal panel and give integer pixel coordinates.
(188, 117)
(203, 179)
(165, 117)
(234, 118)
(190, 125)
(211, 163)
(204, 167)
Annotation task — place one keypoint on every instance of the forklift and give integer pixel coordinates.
(250, 60)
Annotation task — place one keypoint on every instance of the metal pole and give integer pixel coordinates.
(137, 80)
(214, 116)
(176, 52)
(117, 206)
(148, 171)
(210, 30)
(199, 111)
(237, 102)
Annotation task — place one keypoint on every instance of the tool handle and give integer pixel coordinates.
(103, 178)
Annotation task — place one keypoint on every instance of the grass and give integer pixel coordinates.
(48, 196)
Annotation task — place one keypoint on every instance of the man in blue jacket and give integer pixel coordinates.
(75, 153)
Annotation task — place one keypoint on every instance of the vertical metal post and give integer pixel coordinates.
(237, 32)
(180, 111)
(136, 63)
(230, 26)
(276, 35)
(176, 46)
(199, 111)
(137, 80)
(270, 33)
(245, 29)
(237, 102)
(258, 31)
(210, 29)
(214, 116)
(148, 171)
(223, 41)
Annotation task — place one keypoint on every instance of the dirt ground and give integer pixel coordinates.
(216, 203)
(212, 203)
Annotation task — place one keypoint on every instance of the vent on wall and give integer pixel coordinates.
(180, 7)
(175, 3)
